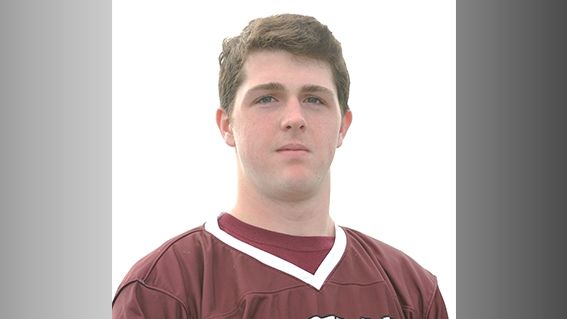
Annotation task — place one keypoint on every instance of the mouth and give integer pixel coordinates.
(294, 147)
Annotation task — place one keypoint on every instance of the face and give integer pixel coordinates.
(285, 125)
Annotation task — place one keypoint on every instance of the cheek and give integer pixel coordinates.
(250, 140)
(328, 142)
(332, 137)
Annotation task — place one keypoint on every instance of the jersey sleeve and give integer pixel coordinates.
(137, 300)
(437, 308)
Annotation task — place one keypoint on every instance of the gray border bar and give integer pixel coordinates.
(55, 130)
(510, 159)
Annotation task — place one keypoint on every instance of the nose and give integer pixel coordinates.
(293, 118)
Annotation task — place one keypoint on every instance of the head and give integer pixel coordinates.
(299, 35)
(284, 90)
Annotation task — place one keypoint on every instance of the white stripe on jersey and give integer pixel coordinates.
(316, 280)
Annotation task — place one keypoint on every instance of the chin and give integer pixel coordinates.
(299, 186)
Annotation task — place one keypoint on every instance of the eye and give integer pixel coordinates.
(265, 99)
(313, 100)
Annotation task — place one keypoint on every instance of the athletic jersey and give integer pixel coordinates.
(207, 273)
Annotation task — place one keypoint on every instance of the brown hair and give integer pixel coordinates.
(297, 34)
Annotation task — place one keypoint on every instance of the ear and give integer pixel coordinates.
(225, 128)
(345, 124)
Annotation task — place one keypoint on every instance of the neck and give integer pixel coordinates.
(292, 215)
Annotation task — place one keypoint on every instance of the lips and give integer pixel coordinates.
(293, 147)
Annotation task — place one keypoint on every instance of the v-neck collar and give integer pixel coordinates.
(316, 280)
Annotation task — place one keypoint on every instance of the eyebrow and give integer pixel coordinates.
(316, 89)
(275, 86)
(272, 86)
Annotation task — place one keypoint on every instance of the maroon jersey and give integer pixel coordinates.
(207, 273)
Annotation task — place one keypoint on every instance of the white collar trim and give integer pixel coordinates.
(316, 280)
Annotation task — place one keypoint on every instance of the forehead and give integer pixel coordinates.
(286, 68)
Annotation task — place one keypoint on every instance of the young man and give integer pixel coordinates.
(284, 90)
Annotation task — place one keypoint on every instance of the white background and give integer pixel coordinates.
(394, 176)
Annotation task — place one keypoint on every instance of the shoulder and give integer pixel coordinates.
(160, 268)
(388, 256)
(415, 286)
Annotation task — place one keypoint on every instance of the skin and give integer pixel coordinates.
(285, 127)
